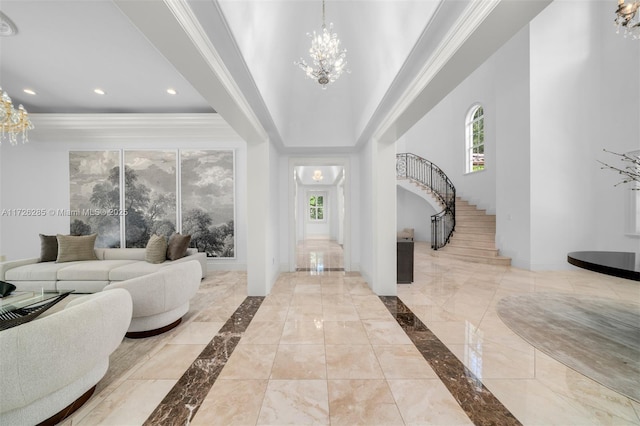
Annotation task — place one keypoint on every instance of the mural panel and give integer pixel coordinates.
(94, 205)
(149, 195)
(207, 193)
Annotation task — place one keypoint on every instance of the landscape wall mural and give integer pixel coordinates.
(207, 190)
(149, 195)
(186, 191)
(94, 179)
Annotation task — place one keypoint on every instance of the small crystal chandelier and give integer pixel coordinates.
(317, 175)
(627, 18)
(13, 123)
(328, 58)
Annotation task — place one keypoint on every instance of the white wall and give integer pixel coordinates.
(414, 212)
(36, 176)
(579, 106)
(275, 211)
(440, 137)
(365, 219)
(513, 205)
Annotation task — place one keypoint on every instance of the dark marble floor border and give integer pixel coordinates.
(319, 270)
(482, 407)
(184, 399)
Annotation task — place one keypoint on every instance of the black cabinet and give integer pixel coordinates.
(405, 261)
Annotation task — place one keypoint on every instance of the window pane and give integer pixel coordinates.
(320, 213)
(312, 200)
(479, 112)
(320, 200)
(312, 213)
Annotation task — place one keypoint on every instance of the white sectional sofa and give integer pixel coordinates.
(88, 276)
(160, 299)
(55, 361)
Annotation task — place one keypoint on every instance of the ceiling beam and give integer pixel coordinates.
(175, 32)
(482, 28)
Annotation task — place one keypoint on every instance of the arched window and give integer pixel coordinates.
(474, 131)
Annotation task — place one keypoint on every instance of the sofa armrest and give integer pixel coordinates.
(10, 264)
(193, 254)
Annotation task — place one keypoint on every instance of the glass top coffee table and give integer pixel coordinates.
(23, 306)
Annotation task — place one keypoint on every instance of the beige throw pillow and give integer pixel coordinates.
(156, 251)
(76, 247)
(178, 245)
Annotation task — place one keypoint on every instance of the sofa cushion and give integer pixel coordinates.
(48, 248)
(156, 250)
(122, 253)
(135, 270)
(97, 270)
(178, 245)
(89, 286)
(76, 247)
(45, 271)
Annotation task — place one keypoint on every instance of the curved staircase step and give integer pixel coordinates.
(472, 251)
(497, 260)
(477, 244)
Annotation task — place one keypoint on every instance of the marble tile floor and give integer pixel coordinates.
(323, 349)
(318, 256)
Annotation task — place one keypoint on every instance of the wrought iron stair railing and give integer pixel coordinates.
(424, 172)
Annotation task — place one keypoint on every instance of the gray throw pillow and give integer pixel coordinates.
(156, 251)
(177, 247)
(76, 247)
(48, 248)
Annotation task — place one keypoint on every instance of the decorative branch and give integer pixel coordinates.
(630, 171)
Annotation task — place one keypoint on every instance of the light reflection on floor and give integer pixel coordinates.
(318, 256)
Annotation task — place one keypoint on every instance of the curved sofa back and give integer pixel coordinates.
(52, 352)
(164, 290)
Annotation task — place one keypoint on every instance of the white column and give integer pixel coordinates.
(258, 211)
(384, 219)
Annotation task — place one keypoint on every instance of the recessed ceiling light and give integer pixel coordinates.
(29, 91)
(172, 91)
(99, 91)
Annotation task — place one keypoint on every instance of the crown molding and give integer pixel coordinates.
(463, 28)
(74, 127)
(189, 22)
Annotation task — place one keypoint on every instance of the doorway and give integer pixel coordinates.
(319, 213)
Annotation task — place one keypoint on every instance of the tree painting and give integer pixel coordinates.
(207, 192)
(149, 195)
(94, 184)
(150, 199)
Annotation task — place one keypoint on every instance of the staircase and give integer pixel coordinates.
(474, 237)
(460, 230)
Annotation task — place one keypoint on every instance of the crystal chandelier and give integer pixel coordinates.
(14, 123)
(328, 58)
(627, 18)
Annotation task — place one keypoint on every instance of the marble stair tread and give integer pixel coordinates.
(496, 260)
(474, 236)
(478, 244)
(472, 251)
(476, 228)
